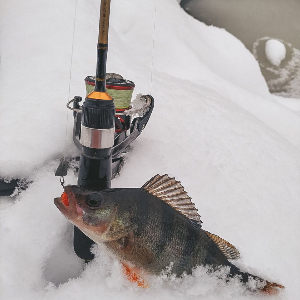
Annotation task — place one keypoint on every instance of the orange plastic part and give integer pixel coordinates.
(64, 199)
(99, 96)
(134, 277)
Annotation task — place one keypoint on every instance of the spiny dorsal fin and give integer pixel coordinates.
(173, 193)
(228, 249)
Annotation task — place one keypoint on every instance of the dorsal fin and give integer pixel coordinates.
(172, 192)
(228, 249)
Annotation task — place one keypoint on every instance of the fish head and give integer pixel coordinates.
(96, 213)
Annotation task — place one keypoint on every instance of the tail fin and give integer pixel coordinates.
(272, 288)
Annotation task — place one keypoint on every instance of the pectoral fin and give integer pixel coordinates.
(133, 276)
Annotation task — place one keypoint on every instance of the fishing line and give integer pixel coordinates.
(153, 46)
(72, 51)
(71, 65)
(62, 181)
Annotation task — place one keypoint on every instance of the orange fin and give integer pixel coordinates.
(272, 288)
(133, 276)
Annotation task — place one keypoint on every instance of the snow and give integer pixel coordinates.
(215, 127)
(275, 51)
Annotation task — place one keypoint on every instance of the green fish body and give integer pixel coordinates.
(152, 228)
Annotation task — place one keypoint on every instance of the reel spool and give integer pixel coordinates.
(121, 91)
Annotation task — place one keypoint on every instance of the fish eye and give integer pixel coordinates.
(94, 200)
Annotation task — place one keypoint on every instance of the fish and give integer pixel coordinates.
(153, 228)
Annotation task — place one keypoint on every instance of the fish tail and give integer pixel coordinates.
(263, 286)
(272, 288)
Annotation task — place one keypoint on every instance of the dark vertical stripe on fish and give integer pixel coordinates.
(212, 252)
(166, 229)
(191, 241)
(143, 211)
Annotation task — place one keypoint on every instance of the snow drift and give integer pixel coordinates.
(215, 127)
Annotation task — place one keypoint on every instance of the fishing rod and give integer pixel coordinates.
(101, 125)
(97, 132)
(98, 119)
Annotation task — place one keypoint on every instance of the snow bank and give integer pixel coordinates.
(215, 128)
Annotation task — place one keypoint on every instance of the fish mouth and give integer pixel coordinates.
(71, 211)
(59, 204)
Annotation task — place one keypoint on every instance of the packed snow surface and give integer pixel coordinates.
(215, 127)
(275, 51)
